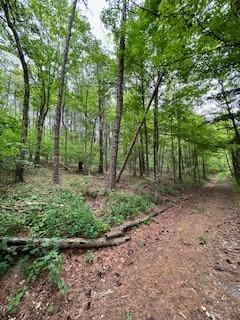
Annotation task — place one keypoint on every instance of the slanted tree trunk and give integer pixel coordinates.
(19, 177)
(60, 98)
(119, 108)
(160, 76)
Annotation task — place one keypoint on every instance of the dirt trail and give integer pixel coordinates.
(184, 265)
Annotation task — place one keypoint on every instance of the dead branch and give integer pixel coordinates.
(67, 243)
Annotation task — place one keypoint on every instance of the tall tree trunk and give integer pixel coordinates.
(134, 162)
(146, 164)
(24, 127)
(204, 171)
(236, 148)
(146, 148)
(162, 159)
(101, 128)
(236, 163)
(64, 123)
(140, 161)
(85, 125)
(119, 108)
(91, 144)
(155, 139)
(60, 98)
(141, 154)
(40, 124)
(179, 160)
(39, 131)
(173, 154)
(106, 146)
(229, 165)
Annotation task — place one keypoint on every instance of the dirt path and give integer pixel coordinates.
(184, 265)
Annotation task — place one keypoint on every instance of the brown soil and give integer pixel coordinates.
(183, 265)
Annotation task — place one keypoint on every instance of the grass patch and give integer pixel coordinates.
(15, 299)
(203, 240)
(89, 257)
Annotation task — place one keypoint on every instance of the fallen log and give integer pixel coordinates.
(67, 243)
(122, 229)
(114, 237)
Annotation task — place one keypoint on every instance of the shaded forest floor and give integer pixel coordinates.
(183, 265)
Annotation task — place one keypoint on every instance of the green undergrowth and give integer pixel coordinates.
(157, 189)
(32, 263)
(88, 188)
(50, 213)
(122, 206)
(55, 213)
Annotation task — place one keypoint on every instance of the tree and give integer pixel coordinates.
(119, 106)
(60, 97)
(10, 19)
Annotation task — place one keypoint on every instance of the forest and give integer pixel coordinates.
(112, 149)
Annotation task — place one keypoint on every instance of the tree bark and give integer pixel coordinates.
(119, 107)
(19, 172)
(60, 98)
